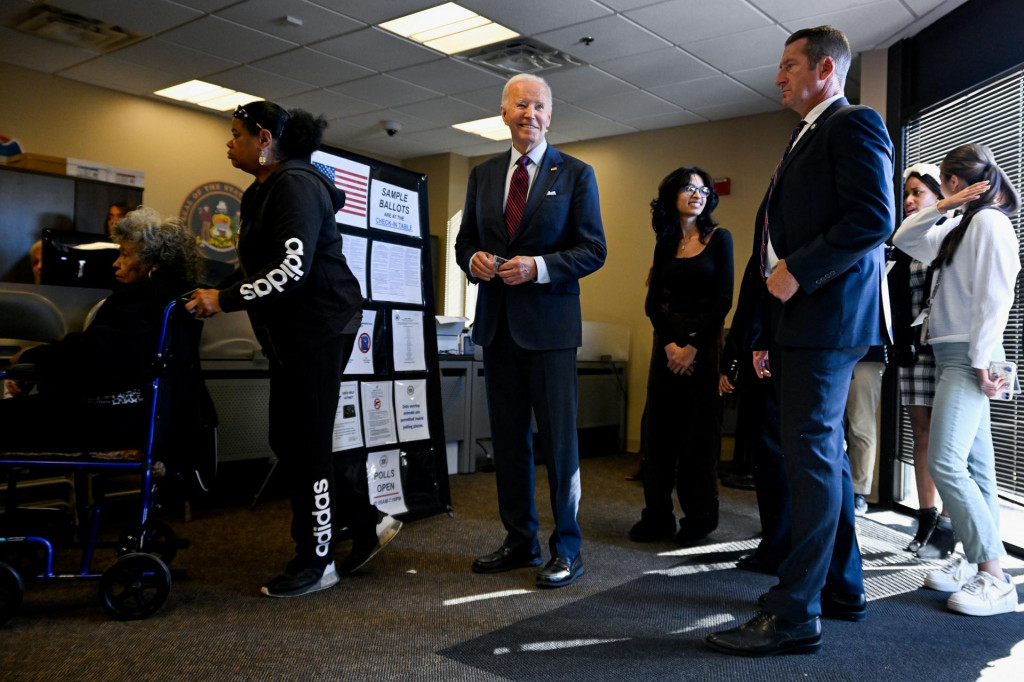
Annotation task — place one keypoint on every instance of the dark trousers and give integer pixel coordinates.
(758, 428)
(517, 380)
(684, 439)
(304, 392)
(812, 385)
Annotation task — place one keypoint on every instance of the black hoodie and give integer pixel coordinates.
(295, 283)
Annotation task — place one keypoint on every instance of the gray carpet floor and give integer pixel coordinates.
(417, 612)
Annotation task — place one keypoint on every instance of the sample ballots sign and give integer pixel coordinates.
(394, 209)
(353, 179)
(384, 480)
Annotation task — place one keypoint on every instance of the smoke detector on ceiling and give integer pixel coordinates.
(50, 23)
(520, 55)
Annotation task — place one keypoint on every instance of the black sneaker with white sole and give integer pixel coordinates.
(295, 581)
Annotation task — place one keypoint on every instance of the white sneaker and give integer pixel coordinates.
(984, 595)
(952, 576)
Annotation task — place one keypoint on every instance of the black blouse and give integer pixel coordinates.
(700, 285)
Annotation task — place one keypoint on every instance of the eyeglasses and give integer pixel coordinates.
(241, 113)
(690, 189)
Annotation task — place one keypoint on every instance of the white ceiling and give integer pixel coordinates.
(652, 64)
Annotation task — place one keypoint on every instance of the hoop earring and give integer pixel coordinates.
(263, 157)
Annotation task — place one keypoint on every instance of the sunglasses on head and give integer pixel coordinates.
(242, 114)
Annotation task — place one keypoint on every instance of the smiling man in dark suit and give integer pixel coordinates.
(819, 233)
(530, 230)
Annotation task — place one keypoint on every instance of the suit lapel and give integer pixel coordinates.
(811, 132)
(547, 171)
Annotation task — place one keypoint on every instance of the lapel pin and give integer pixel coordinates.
(554, 168)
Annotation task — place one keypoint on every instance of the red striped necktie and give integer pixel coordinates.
(516, 202)
(771, 186)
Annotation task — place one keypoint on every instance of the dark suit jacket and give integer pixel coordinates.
(831, 210)
(561, 223)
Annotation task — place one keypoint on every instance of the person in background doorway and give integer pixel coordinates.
(35, 257)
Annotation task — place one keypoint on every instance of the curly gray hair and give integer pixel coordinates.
(166, 243)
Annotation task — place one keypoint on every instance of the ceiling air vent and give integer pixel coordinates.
(520, 56)
(58, 25)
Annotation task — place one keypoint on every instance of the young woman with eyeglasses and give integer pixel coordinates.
(689, 295)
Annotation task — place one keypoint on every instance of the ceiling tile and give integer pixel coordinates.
(679, 118)
(487, 98)
(530, 17)
(36, 53)
(866, 26)
(331, 104)
(584, 82)
(706, 92)
(267, 16)
(722, 111)
(581, 124)
(379, 144)
(623, 5)
(124, 76)
(260, 83)
(684, 21)
(149, 17)
(370, 124)
(661, 67)
(484, 148)
(760, 46)
(445, 111)
(761, 79)
(440, 139)
(922, 7)
(227, 39)
(206, 5)
(160, 54)
(377, 50)
(376, 11)
(312, 67)
(628, 105)
(385, 91)
(450, 76)
(788, 10)
(613, 37)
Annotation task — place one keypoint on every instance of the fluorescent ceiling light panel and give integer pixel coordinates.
(492, 128)
(206, 95)
(449, 28)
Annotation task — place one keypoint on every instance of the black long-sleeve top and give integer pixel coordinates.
(700, 285)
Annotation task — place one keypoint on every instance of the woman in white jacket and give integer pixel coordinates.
(975, 258)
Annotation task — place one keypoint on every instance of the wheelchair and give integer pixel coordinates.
(178, 451)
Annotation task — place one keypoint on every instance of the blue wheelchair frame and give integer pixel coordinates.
(137, 585)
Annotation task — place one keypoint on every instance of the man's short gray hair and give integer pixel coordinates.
(519, 78)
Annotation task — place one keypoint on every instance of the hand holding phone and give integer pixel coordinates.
(499, 261)
(1004, 369)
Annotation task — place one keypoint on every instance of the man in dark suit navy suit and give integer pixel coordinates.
(820, 231)
(527, 257)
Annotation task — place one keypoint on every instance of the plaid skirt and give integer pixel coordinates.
(917, 383)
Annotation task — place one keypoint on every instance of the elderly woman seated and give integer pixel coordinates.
(89, 394)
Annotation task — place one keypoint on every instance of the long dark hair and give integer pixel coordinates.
(973, 163)
(296, 133)
(665, 215)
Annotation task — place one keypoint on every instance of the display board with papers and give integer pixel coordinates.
(389, 411)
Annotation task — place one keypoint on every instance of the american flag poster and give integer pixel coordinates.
(353, 179)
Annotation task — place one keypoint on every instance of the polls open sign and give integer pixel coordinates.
(384, 479)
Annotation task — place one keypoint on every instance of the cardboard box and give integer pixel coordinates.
(93, 170)
(126, 176)
(39, 162)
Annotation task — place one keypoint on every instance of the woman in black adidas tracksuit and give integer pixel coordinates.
(304, 305)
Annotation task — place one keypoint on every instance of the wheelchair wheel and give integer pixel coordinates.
(157, 538)
(135, 587)
(12, 592)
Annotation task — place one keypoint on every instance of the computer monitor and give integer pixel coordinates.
(78, 259)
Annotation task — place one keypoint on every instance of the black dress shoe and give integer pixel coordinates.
(560, 571)
(507, 558)
(752, 562)
(835, 605)
(768, 635)
(844, 606)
